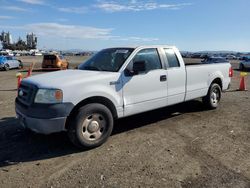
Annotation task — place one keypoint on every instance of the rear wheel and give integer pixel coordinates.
(212, 99)
(92, 126)
(6, 67)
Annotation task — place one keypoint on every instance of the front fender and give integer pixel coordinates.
(97, 90)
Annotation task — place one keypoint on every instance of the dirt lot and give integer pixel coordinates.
(179, 146)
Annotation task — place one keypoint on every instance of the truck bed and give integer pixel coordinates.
(199, 77)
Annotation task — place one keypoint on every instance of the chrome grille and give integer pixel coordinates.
(26, 93)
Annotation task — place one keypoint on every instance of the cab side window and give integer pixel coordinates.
(171, 57)
(150, 57)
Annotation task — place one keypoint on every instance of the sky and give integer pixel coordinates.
(191, 25)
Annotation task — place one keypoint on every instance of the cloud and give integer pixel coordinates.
(76, 32)
(5, 17)
(76, 10)
(69, 31)
(134, 5)
(14, 8)
(80, 32)
(33, 2)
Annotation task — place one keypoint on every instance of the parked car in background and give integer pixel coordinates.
(231, 57)
(36, 54)
(210, 60)
(196, 55)
(55, 61)
(245, 64)
(9, 62)
(3, 53)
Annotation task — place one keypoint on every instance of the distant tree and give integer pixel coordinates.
(20, 45)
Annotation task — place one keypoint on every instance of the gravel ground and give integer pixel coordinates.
(178, 146)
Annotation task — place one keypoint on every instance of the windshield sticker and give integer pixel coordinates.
(121, 51)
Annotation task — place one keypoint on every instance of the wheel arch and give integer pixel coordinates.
(96, 99)
(217, 81)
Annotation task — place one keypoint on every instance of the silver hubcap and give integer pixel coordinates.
(93, 127)
(215, 96)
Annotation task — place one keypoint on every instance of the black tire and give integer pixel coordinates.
(20, 64)
(6, 67)
(91, 126)
(212, 99)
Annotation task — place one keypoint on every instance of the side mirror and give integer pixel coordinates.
(138, 66)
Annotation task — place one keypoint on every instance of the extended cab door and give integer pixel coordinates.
(146, 90)
(176, 75)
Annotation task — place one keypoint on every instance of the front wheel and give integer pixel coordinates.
(91, 126)
(212, 99)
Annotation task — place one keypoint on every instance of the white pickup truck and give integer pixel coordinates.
(115, 83)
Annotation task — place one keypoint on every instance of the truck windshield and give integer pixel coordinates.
(109, 60)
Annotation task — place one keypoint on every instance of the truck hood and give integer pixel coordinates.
(61, 79)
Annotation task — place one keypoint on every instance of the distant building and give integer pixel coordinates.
(31, 40)
(6, 38)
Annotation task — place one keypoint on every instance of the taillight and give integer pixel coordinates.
(231, 72)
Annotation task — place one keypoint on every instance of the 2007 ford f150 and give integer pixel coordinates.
(115, 83)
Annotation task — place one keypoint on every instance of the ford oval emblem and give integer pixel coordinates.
(20, 93)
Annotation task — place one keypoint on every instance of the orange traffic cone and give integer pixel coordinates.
(30, 70)
(19, 79)
(242, 82)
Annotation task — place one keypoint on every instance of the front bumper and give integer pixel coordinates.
(43, 118)
(43, 126)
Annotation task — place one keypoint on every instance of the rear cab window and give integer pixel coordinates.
(49, 57)
(172, 60)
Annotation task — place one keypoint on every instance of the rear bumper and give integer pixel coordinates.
(226, 84)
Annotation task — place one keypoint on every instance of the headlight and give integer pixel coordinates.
(49, 96)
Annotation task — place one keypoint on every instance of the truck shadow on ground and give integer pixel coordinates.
(18, 145)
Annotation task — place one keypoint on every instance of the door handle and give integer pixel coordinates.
(163, 78)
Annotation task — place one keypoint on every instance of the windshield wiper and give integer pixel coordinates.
(91, 68)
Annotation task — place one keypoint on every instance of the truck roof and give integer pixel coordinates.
(145, 46)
